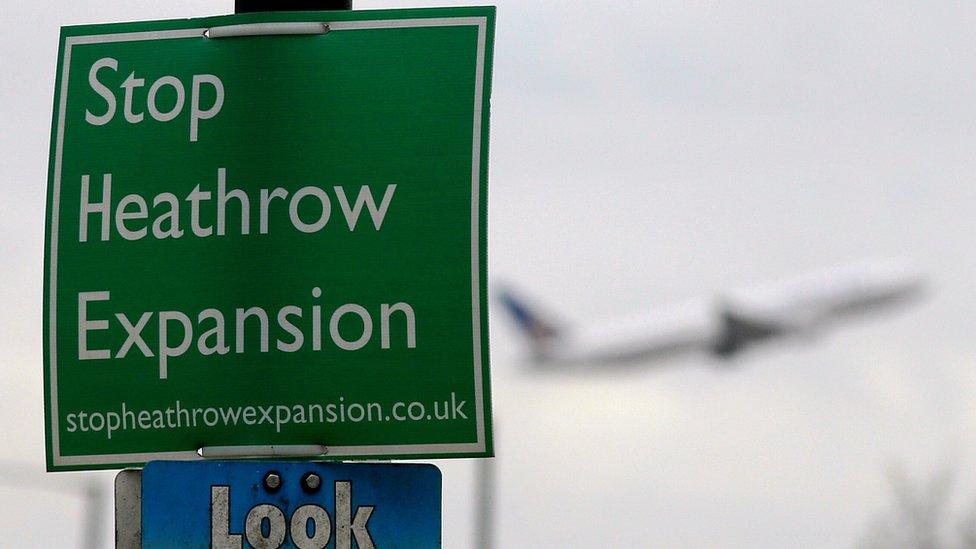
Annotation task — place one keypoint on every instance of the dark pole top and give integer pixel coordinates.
(245, 6)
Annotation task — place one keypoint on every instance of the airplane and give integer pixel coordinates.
(800, 307)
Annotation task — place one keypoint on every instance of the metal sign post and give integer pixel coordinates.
(246, 6)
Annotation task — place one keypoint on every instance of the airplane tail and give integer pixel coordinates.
(536, 328)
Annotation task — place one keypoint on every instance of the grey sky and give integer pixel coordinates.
(644, 153)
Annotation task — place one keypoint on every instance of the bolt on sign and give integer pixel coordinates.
(269, 229)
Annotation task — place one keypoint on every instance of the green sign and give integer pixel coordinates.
(269, 229)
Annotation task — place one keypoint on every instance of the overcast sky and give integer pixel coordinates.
(644, 153)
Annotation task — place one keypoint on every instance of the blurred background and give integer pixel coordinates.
(644, 153)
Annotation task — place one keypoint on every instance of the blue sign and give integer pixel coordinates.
(271, 504)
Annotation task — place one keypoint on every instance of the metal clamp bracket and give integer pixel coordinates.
(263, 451)
(266, 29)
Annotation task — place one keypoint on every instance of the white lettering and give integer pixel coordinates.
(130, 84)
(223, 196)
(205, 333)
(165, 350)
(217, 332)
(321, 526)
(121, 216)
(98, 207)
(365, 198)
(220, 536)
(85, 326)
(348, 526)
(152, 100)
(297, 338)
(265, 202)
(293, 209)
(242, 316)
(386, 310)
(196, 115)
(172, 215)
(103, 91)
(194, 198)
(276, 527)
(177, 86)
(134, 335)
(367, 327)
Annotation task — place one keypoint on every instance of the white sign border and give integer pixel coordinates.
(481, 23)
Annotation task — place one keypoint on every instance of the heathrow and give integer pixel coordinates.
(131, 213)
